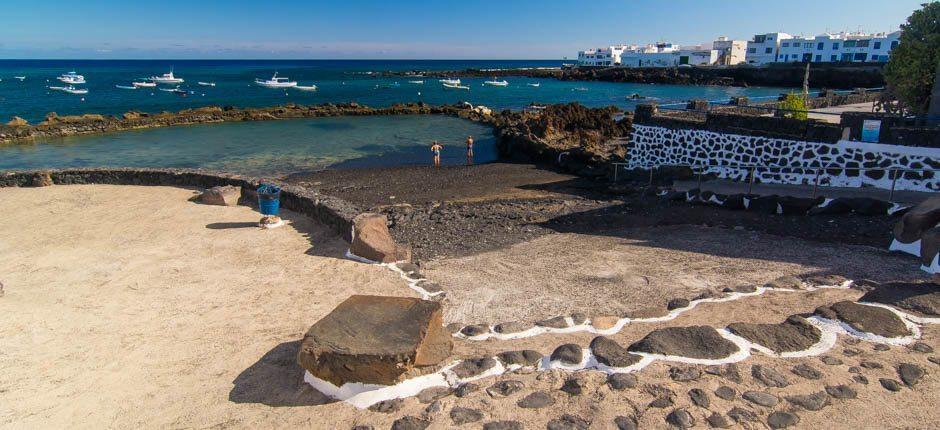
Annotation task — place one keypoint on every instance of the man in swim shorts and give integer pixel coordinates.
(436, 150)
(469, 150)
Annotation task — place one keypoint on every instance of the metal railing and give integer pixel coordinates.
(895, 172)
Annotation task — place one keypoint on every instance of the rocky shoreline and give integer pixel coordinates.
(785, 75)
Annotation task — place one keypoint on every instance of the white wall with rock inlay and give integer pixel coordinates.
(660, 146)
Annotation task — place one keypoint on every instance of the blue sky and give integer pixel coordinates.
(407, 29)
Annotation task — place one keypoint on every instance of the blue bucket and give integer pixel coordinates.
(269, 199)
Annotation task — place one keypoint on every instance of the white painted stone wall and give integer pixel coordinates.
(659, 146)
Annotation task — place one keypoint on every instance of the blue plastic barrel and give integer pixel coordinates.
(269, 199)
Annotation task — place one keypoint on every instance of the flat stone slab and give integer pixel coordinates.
(918, 220)
(701, 342)
(921, 298)
(868, 319)
(375, 340)
(372, 241)
(526, 357)
(794, 334)
(610, 353)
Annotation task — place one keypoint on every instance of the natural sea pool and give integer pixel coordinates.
(264, 148)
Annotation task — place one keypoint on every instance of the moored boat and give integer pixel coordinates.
(144, 84)
(20, 78)
(416, 82)
(126, 87)
(206, 84)
(166, 78)
(306, 87)
(71, 78)
(450, 81)
(495, 83)
(455, 87)
(70, 89)
(534, 85)
(276, 82)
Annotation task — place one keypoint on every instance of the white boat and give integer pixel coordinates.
(166, 78)
(535, 85)
(416, 82)
(450, 81)
(72, 78)
(126, 87)
(306, 87)
(276, 82)
(455, 87)
(144, 84)
(170, 90)
(206, 84)
(495, 83)
(21, 78)
(70, 89)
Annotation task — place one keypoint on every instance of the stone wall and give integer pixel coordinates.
(333, 212)
(661, 146)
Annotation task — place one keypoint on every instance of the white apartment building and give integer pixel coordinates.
(842, 47)
(730, 52)
(765, 48)
(609, 56)
(668, 55)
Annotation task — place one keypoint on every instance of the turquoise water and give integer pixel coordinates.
(339, 81)
(264, 148)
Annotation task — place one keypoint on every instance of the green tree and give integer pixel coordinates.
(794, 106)
(913, 64)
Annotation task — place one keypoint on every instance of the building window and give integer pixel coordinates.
(752, 50)
(820, 46)
(846, 57)
(769, 50)
(819, 58)
(835, 46)
(786, 44)
(834, 58)
(877, 45)
(849, 44)
(894, 44)
(861, 56)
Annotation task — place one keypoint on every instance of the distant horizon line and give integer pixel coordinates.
(285, 59)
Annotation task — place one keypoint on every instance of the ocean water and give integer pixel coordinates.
(267, 149)
(338, 81)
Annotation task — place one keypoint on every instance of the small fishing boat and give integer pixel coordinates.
(306, 87)
(126, 87)
(579, 89)
(495, 83)
(535, 85)
(71, 78)
(144, 84)
(166, 78)
(450, 81)
(172, 90)
(455, 87)
(416, 82)
(206, 84)
(70, 89)
(276, 82)
(20, 78)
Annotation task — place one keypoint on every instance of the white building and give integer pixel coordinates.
(609, 56)
(842, 47)
(730, 52)
(668, 55)
(764, 48)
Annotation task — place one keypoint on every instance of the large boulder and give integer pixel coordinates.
(918, 220)
(794, 334)
(920, 298)
(929, 246)
(222, 196)
(376, 340)
(17, 122)
(864, 318)
(701, 342)
(372, 241)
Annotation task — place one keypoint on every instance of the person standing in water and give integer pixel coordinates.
(469, 150)
(436, 150)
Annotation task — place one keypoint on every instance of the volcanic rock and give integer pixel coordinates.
(680, 418)
(794, 334)
(503, 425)
(922, 348)
(890, 384)
(465, 390)
(375, 340)
(769, 376)
(827, 280)
(700, 398)
(910, 373)
(804, 370)
(929, 246)
(922, 298)
(831, 361)
(742, 415)
(526, 357)
(610, 353)
(763, 204)
(786, 282)
(510, 327)
(918, 220)
(625, 423)
(881, 347)
(568, 422)
(861, 379)
(461, 416)
(221, 196)
(387, 406)
(871, 364)
(474, 330)
(725, 392)
(372, 241)
(684, 374)
(841, 391)
(536, 400)
(728, 371)
(868, 319)
(718, 421)
(621, 381)
(574, 386)
(797, 205)
(578, 318)
(568, 353)
(662, 402)
(505, 388)
(781, 420)
(702, 342)
(410, 423)
(17, 122)
(677, 304)
(556, 322)
(604, 322)
(41, 179)
(431, 394)
(473, 367)
(760, 398)
(810, 402)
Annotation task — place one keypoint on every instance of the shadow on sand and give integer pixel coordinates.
(276, 380)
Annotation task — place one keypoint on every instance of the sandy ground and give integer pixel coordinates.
(129, 307)
(633, 269)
